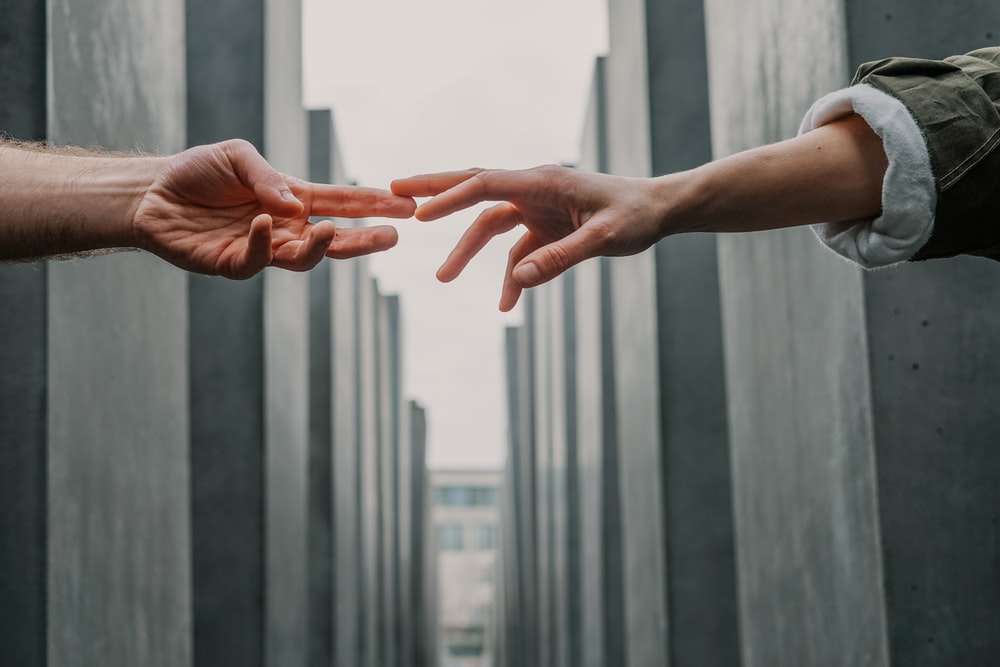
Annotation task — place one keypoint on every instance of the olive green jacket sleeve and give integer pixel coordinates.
(955, 104)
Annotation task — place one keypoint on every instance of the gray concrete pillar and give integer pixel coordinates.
(556, 369)
(424, 547)
(322, 147)
(249, 437)
(522, 471)
(225, 81)
(697, 509)
(118, 573)
(286, 345)
(672, 428)
(633, 303)
(854, 414)
(601, 618)
(408, 535)
(389, 400)
(23, 365)
(369, 479)
(537, 311)
(347, 462)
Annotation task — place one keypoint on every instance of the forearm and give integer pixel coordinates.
(54, 204)
(832, 173)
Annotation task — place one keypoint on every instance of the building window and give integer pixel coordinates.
(450, 537)
(467, 496)
(465, 641)
(484, 537)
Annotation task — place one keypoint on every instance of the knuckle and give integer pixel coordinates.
(550, 171)
(236, 145)
(607, 235)
(558, 258)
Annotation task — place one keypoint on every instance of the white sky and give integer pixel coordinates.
(432, 85)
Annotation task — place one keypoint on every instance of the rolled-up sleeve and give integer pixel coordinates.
(940, 195)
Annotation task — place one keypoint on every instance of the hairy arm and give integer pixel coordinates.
(219, 209)
(56, 203)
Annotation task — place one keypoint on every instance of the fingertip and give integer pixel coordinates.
(407, 207)
(444, 275)
(324, 227)
(508, 301)
(258, 251)
(386, 236)
(421, 214)
(398, 187)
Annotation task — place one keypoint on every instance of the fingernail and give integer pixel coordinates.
(288, 196)
(527, 274)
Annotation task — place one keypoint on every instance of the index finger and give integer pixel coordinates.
(428, 185)
(350, 201)
(480, 186)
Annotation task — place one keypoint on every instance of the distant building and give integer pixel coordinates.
(465, 514)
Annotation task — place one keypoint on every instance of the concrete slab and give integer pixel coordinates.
(118, 535)
(24, 364)
(286, 356)
(320, 465)
(389, 400)
(425, 581)
(347, 463)
(565, 564)
(226, 380)
(409, 536)
(286, 393)
(226, 83)
(697, 511)
(839, 559)
(636, 379)
(521, 466)
(368, 429)
(540, 368)
(24, 467)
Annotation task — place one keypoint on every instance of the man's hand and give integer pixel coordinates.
(570, 216)
(223, 210)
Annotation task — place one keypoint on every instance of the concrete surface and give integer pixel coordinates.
(845, 552)
(321, 555)
(23, 360)
(636, 377)
(225, 99)
(118, 512)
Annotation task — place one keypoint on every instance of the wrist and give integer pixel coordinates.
(678, 201)
(118, 186)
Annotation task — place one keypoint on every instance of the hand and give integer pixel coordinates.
(570, 216)
(223, 210)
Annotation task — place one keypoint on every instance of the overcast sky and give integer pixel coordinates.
(430, 85)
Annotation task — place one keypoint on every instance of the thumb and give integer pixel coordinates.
(553, 259)
(269, 186)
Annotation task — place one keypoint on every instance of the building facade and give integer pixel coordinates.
(466, 524)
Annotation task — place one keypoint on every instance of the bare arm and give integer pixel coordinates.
(218, 209)
(832, 173)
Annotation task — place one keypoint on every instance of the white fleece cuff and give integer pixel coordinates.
(909, 197)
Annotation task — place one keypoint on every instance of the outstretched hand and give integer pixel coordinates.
(223, 210)
(570, 216)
